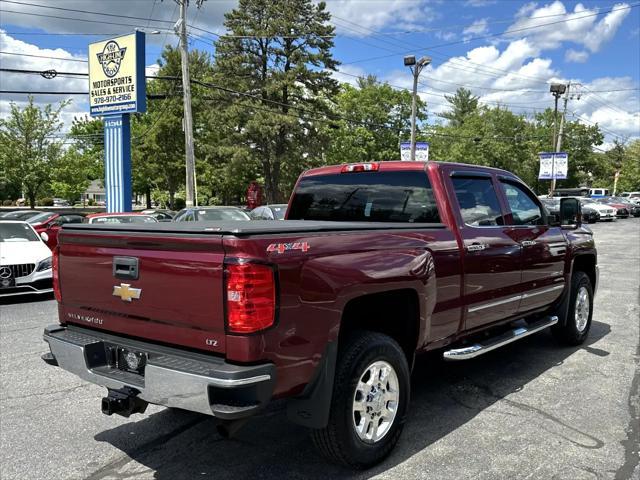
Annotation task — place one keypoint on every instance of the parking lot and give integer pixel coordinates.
(530, 410)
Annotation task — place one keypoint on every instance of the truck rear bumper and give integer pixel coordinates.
(172, 377)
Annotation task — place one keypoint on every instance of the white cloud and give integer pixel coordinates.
(348, 74)
(444, 35)
(35, 82)
(478, 27)
(479, 3)
(576, 56)
(581, 26)
(356, 18)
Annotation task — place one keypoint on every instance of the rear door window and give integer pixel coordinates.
(478, 201)
(400, 196)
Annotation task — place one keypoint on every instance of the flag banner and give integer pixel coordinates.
(553, 165)
(422, 151)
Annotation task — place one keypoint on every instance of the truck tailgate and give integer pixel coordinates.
(177, 297)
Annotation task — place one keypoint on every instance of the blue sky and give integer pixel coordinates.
(505, 51)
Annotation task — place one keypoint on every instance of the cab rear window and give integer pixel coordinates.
(404, 196)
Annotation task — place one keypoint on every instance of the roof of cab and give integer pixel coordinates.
(397, 165)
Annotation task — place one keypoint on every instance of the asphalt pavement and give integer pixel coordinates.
(531, 410)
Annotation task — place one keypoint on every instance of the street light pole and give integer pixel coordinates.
(415, 67)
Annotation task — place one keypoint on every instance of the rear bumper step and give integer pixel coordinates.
(173, 378)
(485, 346)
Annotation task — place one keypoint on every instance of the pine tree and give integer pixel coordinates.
(277, 53)
(464, 103)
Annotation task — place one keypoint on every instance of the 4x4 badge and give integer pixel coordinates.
(125, 292)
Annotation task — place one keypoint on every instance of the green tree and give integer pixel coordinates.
(372, 119)
(497, 137)
(463, 104)
(158, 158)
(29, 149)
(279, 52)
(630, 170)
(72, 173)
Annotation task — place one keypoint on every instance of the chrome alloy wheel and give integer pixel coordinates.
(375, 401)
(582, 309)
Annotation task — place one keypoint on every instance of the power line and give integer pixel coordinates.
(130, 17)
(506, 32)
(103, 22)
(45, 56)
(57, 33)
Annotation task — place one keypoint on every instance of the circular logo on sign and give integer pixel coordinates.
(5, 272)
(111, 58)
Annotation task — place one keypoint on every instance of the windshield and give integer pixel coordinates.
(17, 232)
(392, 196)
(41, 218)
(279, 211)
(222, 214)
(124, 219)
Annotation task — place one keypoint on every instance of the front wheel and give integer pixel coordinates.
(576, 325)
(369, 403)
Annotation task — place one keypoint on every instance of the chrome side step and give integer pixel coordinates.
(485, 346)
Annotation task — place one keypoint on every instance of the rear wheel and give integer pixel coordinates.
(369, 404)
(576, 325)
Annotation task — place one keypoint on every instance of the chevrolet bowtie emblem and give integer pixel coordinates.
(125, 292)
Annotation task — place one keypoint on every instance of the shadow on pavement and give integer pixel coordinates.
(29, 298)
(444, 397)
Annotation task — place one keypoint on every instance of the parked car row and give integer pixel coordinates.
(598, 209)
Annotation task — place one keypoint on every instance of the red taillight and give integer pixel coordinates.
(251, 297)
(55, 274)
(360, 167)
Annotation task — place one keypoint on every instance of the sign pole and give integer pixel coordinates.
(117, 162)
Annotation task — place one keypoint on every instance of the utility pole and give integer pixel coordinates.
(416, 67)
(557, 89)
(181, 31)
(560, 133)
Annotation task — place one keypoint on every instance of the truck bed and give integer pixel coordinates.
(256, 227)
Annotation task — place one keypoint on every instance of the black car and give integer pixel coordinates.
(589, 215)
(269, 212)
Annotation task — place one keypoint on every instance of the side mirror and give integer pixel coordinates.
(570, 213)
(44, 237)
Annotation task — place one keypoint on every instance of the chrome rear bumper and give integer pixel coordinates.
(172, 377)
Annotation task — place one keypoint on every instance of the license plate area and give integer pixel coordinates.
(7, 282)
(126, 359)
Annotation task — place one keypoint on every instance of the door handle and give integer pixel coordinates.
(125, 268)
(528, 243)
(476, 247)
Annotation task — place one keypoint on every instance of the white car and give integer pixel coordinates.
(607, 212)
(633, 197)
(25, 260)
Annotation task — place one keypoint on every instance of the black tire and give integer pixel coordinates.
(339, 442)
(567, 330)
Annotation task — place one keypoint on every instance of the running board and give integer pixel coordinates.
(485, 346)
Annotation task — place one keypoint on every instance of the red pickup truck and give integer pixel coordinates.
(376, 263)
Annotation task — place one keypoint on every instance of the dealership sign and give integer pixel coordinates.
(422, 151)
(116, 76)
(553, 165)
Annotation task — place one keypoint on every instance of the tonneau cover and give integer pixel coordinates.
(254, 227)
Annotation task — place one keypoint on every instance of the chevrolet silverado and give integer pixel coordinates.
(375, 264)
